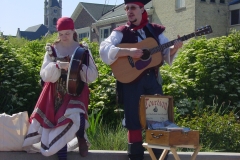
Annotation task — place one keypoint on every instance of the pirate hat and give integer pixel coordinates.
(138, 1)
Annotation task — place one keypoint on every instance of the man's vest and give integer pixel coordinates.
(130, 36)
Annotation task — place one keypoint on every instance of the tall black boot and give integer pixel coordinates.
(62, 153)
(158, 153)
(135, 151)
(82, 143)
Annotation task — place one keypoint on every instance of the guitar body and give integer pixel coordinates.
(126, 71)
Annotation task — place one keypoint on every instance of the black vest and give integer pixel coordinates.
(130, 36)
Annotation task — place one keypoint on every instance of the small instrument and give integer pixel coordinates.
(74, 83)
(127, 69)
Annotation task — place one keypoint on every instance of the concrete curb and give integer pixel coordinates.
(116, 155)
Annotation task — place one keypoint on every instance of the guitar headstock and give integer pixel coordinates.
(204, 30)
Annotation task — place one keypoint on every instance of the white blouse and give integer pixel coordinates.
(50, 73)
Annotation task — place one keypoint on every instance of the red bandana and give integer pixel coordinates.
(65, 23)
(138, 3)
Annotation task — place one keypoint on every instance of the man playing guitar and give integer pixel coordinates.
(149, 83)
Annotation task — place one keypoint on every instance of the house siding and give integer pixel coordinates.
(195, 14)
(214, 14)
(83, 20)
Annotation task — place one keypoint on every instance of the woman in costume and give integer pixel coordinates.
(59, 120)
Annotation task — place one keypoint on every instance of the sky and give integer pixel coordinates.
(26, 13)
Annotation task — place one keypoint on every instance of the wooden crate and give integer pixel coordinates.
(160, 108)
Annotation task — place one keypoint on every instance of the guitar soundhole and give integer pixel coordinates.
(146, 55)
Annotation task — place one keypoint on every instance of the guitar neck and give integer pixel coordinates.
(171, 43)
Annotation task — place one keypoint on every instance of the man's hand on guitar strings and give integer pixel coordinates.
(178, 43)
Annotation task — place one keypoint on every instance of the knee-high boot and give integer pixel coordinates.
(82, 144)
(62, 153)
(135, 151)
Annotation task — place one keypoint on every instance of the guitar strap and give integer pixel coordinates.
(150, 29)
(139, 35)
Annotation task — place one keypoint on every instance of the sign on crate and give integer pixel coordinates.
(156, 109)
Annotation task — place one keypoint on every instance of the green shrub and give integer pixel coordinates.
(16, 79)
(20, 62)
(205, 68)
(219, 131)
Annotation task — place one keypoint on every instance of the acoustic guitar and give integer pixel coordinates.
(127, 69)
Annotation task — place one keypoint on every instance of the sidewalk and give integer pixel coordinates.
(115, 155)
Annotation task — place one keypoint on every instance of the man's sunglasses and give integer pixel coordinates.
(133, 8)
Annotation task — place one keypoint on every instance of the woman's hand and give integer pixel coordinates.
(63, 65)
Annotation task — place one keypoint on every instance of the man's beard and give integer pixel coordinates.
(133, 21)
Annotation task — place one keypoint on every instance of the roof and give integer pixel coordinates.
(234, 2)
(34, 32)
(119, 11)
(115, 12)
(93, 9)
(55, 4)
(33, 28)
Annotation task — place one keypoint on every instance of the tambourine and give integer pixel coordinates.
(74, 84)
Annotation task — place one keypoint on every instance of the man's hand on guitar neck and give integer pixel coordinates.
(177, 44)
(132, 52)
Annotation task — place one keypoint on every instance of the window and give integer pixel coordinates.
(46, 22)
(83, 35)
(212, 1)
(54, 21)
(235, 17)
(222, 1)
(104, 33)
(180, 3)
